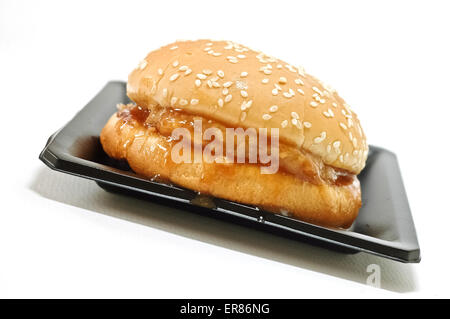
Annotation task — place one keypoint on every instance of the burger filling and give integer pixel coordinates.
(292, 160)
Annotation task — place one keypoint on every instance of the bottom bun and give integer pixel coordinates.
(148, 154)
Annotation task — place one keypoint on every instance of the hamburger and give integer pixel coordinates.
(313, 136)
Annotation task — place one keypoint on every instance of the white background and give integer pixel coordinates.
(61, 236)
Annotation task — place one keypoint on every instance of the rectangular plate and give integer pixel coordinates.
(384, 225)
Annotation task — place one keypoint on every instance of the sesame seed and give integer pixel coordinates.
(206, 49)
(337, 144)
(183, 102)
(284, 123)
(143, 64)
(350, 135)
(183, 68)
(287, 94)
(317, 90)
(275, 92)
(322, 101)
(299, 82)
(266, 117)
(273, 108)
(300, 91)
(215, 84)
(220, 102)
(301, 71)
(244, 93)
(313, 104)
(209, 44)
(330, 112)
(341, 158)
(246, 105)
(307, 124)
(347, 108)
(282, 80)
(228, 98)
(328, 148)
(207, 72)
(174, 47)
(173, 100)
(188, 71)
(201, 76)
(164, 92)
(327, 114)
(198, 83)
(241, 56)
(160, 71)
(265, 81)
(209, 82)
(320, 138)
(278, 87)
(291, 92)
(227, 84)
(174, 77)
(295, 115)
(350, 122)
(225, 91)
(267, 71)
(217, 54)
(243, 116)
(334, 104)
(343, 125)
(244, 74)
(175, 63)
(294, 121)
(355, 142)
(220, 73)
(279, 66)
(194, 102)
(290, 68)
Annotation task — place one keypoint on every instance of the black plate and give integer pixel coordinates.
(384, 226)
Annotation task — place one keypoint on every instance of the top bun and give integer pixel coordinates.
(234, 85)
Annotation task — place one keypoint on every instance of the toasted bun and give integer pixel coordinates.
(236, 86)
(147, 151)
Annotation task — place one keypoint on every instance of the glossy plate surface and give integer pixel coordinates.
(384, 225)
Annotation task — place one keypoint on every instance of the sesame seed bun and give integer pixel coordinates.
(236, 86)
